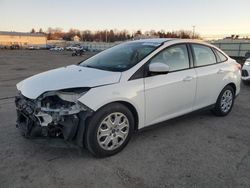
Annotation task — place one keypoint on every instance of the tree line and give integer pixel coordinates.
(113, 35)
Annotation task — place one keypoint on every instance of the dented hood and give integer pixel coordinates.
(72, 76)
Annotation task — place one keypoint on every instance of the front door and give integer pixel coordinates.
(173, 94)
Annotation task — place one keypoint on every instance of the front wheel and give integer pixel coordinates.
(109, 130)
(224, 102)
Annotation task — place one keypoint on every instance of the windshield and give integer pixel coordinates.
(121, 57)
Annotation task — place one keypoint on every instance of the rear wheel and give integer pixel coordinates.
(224, 102)
(109, 130)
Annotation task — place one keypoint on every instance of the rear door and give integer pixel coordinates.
(210, 75)
(170, 95)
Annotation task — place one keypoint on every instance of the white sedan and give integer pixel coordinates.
(100, 102)
(73, 48)
(57, 48)
(246, 72)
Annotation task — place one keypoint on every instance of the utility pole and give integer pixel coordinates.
(106, 35)
(193, 30)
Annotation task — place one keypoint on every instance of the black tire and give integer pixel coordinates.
(91, 140)
(218, 110)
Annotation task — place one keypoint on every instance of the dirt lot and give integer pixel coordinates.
(198, 150)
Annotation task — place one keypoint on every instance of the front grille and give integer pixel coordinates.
(244, 73)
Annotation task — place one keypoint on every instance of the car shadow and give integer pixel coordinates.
(57, 148)
(169, 124)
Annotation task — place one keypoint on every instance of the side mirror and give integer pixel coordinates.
(160, 68)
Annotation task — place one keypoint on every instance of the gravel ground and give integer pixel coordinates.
(196, 150)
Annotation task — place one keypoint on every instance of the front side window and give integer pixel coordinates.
(176, 57)
(203, 55)
(121, 57)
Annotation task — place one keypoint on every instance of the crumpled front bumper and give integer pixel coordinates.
(70, 127)
(25, 124)
(26, 121)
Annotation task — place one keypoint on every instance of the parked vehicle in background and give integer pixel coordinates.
(48, 47)
(78, 52)
(31, 48)
(57, 48)
(3, 47)
(73, 47)
(247, 55)
(15, 47)
(104, 99)
(34, 48)
(245, 75)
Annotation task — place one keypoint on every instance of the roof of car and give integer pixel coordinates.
(175, 40)
(155, 40)
(163, 40)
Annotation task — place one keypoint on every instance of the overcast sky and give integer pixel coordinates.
(211, 17)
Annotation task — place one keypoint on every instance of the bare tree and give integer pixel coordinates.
(115, 35)
(32, 30)
(40, 30)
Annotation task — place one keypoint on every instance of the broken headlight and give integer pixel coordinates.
(63, 102)
(71, 95)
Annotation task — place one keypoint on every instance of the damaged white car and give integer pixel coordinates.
(101, 101)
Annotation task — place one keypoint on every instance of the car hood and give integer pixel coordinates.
(72, 76)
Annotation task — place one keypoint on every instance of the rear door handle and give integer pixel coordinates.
(188, 78)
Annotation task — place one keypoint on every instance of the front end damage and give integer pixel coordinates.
(53, 114)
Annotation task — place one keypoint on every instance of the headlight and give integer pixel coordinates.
(76, 90)
(72, 94)
(247, 63)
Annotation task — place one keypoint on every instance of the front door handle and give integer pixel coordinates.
(188, 78)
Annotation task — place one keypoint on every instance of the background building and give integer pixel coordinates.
(76, 38)
(8, 39)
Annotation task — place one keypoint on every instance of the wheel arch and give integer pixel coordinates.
(131, 107)
(134, 112)
(233, 85)
(229, 83)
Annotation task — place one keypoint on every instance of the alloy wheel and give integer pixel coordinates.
(226, 101)
(113, 131)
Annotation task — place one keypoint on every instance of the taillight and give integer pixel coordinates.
(238, 66)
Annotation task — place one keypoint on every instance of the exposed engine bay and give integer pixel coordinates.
(53, 114)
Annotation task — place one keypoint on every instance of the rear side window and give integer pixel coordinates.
(221, 57)
(203, 55)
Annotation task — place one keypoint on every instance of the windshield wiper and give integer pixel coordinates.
(93, 67)
(89, 66)
(103, 68)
